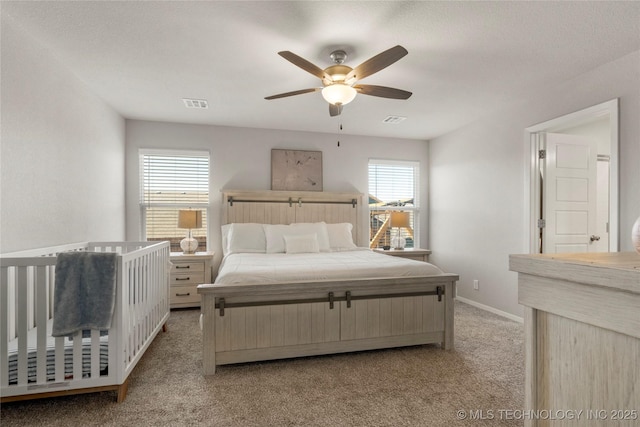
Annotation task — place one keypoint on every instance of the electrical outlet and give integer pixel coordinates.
(476, 285)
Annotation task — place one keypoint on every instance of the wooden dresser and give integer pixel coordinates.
(187, 272)
(582, 336)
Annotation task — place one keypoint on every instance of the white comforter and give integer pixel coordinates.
(250, 268)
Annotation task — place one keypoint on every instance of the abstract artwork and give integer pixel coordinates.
(296, 170)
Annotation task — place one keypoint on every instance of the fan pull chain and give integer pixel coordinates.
(340, 129)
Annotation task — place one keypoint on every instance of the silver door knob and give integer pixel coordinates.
(594, 238)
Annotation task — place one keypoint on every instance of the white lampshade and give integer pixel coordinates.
(339, 94)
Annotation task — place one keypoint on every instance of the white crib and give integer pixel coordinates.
(33, 364)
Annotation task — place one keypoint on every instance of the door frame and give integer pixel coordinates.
(532, 166)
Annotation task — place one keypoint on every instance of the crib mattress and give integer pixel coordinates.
(32, 356)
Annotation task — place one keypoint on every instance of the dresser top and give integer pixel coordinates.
(619, 270)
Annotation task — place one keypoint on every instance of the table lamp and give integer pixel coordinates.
(399, 220)
(189, 219)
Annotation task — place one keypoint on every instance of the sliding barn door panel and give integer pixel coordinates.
(245, 328)
(387, 317)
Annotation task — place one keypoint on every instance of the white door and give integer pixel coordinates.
(569, 194)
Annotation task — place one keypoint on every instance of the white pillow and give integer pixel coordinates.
(320, 228)
(307, 243)
(340, 237)
(247, 237)
(225, 231)
(275, 233)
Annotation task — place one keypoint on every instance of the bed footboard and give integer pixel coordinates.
(252, 323)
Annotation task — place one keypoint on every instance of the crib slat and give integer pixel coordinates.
(4, 323)
(77, 356)
(21, 320)
(41, 295)
(95, 354)
(59, 360)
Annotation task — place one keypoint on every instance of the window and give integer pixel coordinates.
(171, 181)
(393, 187)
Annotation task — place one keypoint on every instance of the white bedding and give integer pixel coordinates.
(259, 268)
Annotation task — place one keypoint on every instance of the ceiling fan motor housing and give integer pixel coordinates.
(337, 73)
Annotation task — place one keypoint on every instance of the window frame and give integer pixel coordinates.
(415, 210)
(143, 206)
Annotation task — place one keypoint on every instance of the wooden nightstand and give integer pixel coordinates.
(187, 272)
(411, 253)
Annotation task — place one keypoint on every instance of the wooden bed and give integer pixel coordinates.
(249, 322)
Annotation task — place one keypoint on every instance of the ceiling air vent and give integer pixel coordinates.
(196, 103)
(393, 119)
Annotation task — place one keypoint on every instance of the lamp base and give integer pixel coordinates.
(189, 245)
(398, 243)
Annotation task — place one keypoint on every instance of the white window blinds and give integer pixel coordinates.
(174, 179)
(394, 182)
(171, 181)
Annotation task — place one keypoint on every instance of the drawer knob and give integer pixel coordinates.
(183, 295)
(182, 278)
(182, 266)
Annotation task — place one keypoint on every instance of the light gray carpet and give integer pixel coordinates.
(414, 386)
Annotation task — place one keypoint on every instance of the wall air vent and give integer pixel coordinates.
(196, 103)
(393, 119)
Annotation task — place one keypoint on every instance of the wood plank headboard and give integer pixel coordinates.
(286, 207)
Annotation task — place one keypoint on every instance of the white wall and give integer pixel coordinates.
(477, 180)
(241, 160)
(61, 155)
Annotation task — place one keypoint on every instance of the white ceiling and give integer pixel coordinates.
(466, 59)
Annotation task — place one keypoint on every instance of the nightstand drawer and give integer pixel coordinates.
(187, 278)
(186, 267)
(187, 272)
(184, 295)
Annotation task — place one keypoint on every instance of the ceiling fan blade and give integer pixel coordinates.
(335, 110)
(382, 91)
(304, 64)
(295, 92)
(377, 63)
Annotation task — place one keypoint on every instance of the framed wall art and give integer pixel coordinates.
(296, 170)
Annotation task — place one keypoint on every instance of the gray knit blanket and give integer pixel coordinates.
(85, 292)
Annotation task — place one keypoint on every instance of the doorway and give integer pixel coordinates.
(551, 226)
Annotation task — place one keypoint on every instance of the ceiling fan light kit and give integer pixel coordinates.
(339, 94)
(339, 81)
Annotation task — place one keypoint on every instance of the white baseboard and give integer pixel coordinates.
(491, 309)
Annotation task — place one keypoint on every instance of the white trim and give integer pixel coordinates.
(173, 152)
(531, 187)
(394, 162)
(491, 309)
